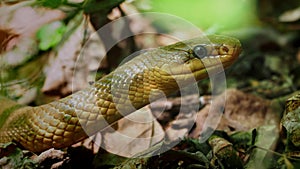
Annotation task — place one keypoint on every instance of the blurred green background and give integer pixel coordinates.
(224, 14)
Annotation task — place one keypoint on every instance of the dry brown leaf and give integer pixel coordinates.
(66, 73)
(136, 133)
(180, 127)
(139, 25)
(242, 112)
(50, 154)
(177, 115)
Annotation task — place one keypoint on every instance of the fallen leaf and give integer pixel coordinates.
(70, 65)
(136, 133)
(242, 112)
(47, 158)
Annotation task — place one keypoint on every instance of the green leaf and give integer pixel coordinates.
(50, 35)
(51, 3)
(264, 137)
(15, 158)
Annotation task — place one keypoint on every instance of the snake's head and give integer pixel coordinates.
(202, 56)
(167, 69)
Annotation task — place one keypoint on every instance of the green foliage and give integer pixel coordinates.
(50, 35)
(241, 139)
(16, 158)
(51, 3)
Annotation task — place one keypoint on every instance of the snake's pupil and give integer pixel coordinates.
(199, 51)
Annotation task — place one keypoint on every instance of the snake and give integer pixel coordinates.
(148, 76)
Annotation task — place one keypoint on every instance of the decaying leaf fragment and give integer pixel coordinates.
(224, 152)
(136, 133)
(291, 121)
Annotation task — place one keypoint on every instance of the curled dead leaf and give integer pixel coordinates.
(136, 133)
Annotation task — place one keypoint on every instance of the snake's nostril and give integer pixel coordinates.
(224, 50)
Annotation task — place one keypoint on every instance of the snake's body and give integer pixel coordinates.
(64, 122)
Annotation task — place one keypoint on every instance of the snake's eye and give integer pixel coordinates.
(199, 51)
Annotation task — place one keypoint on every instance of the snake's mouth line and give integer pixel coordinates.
(196, 66)
(219, 62)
